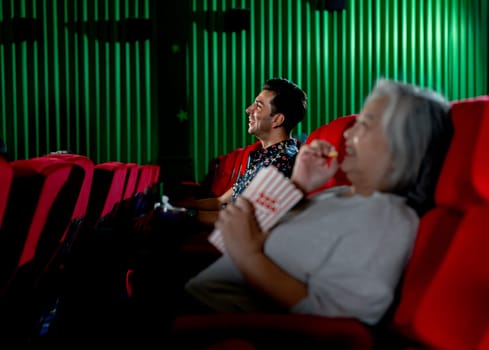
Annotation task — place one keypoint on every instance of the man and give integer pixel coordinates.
(276, 111)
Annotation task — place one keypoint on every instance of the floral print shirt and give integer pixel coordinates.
(281, 155)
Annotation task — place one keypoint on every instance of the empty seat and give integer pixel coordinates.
(80, 210)
(131, 180)
(41, 204)
(107, 190)
(42, 199)
(145, 178)
(222, 173)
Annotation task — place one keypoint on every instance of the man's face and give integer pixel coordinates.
(260, 114)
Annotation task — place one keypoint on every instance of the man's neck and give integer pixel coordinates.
(273, 140)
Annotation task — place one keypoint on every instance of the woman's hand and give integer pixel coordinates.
(315, 164)
(241, 233)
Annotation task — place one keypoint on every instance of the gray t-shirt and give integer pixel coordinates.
(349, 251)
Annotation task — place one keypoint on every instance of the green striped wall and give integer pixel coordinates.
(334, 56)
(82, 75)
(81, 81)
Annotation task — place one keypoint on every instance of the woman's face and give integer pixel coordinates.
(368, 159)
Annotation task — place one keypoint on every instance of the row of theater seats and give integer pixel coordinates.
(442, 300)
(47, 204)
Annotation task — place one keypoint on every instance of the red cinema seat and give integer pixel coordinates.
(333, 132)
(156, 174)
(145, 178)
(453, 313)
(80, 211)
(455, 194)
(41, 204)
(131, 181)
(109, 179)
(42, 200)
(222, 173)
(88, 166)
(484, 343)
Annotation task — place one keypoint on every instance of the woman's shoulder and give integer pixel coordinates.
(393, 207)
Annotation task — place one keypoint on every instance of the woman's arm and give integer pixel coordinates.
(244, 243)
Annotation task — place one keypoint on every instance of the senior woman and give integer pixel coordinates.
(340, 252)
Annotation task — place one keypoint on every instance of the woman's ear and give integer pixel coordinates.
(278, 120)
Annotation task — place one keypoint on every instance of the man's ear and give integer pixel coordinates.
(278, 120)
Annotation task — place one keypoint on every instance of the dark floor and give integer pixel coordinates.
(91, 305)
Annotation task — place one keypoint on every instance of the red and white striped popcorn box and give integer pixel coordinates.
(272, 195)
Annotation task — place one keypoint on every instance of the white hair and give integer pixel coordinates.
(413, 117)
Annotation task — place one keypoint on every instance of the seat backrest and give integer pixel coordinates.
(81, 207)
(131, 180)
(484, 343)
(223, 171)
(242, 160)
(88, 166)
(455, 193)
(226, 171)
(6, 176)
(453, 312)
(145, 178)
(333, 132)
(156, 170)
(106, 192)
(41, 203)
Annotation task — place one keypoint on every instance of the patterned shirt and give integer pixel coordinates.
(281, 155)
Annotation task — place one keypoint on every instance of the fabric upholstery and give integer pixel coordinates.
(333, 132)
(455, 194)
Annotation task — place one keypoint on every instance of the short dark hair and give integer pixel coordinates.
(290, 100)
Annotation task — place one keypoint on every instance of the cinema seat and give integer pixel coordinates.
(333, 132)
(453, 312)
(222, 173)
(455, 194)
(109, 179)
(41, 203)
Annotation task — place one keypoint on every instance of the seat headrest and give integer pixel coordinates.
(462, 179)
(333, 133)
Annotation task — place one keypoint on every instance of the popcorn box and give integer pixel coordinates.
(272, 195)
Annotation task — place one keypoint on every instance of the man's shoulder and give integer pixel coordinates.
(288, 144)
(292, 147)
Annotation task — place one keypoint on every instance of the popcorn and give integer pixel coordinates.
(333, 154)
